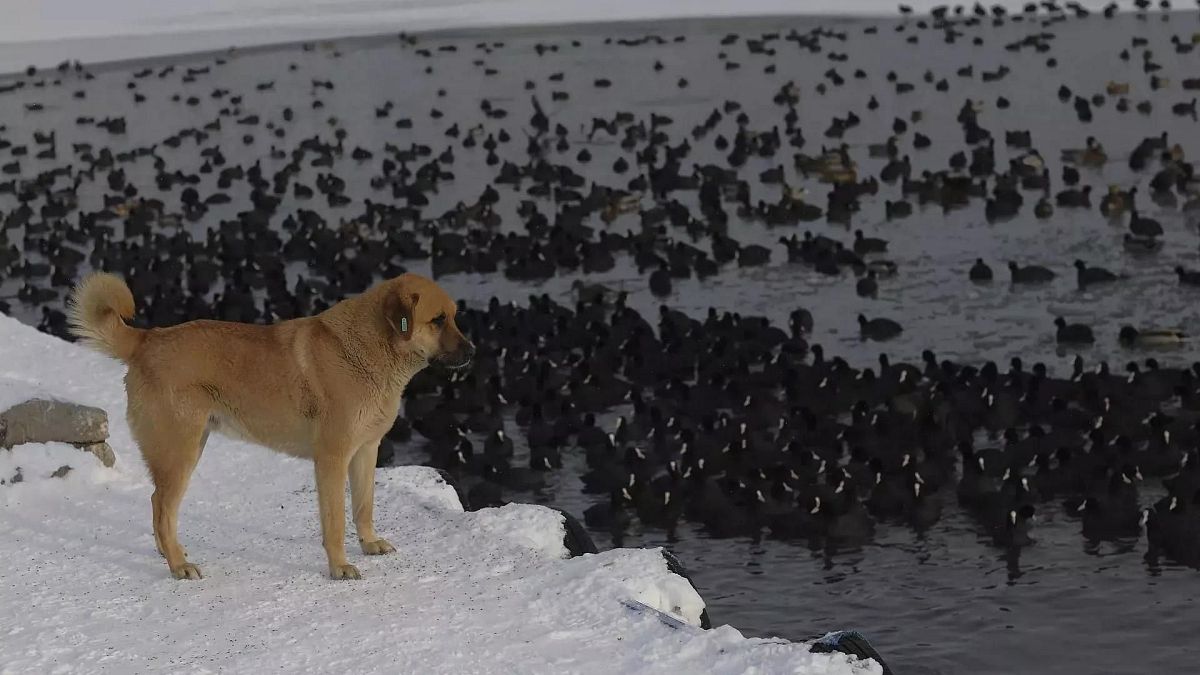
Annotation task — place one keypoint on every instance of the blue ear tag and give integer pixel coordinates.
(403, 324)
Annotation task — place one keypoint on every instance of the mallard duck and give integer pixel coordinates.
(1091, 155)
(620, 203)
(883, 150)
(1154, 337)
(1117, 201)
(793, 195)
(1117, 88)
(838, 174)
(1043, 209)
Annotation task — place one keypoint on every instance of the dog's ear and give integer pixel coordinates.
(400, 313)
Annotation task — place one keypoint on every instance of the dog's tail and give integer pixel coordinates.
(97, 311)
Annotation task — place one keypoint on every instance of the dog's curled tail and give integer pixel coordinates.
(97, 312)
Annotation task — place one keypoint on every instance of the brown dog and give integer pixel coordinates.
(325, 387)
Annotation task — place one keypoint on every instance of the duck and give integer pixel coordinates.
(867, 287)
(1075, 198)
(1173, 526)
(1087, 276)
(753, 255)
(1043, 209)
(878, 328)
(1030, 274)
(1112, 512)
(498, 444)
(1187, 277)
(660, 281)
(864, 245)
(924, 507)
(612, 515)
(1073, 333)
(1012, 531)
(980, 271)
(844, 519)
(1116, 202)
(1092, 154)
(1154, 337)
(1141, 226)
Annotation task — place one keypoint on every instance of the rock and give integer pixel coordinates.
(675, 566)
(103, 452)
(61, 471)
(43, 421)
(576, 539)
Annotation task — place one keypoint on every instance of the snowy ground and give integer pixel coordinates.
(46, 32)
(487, 592)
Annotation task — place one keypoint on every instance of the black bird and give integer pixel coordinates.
(1073, 333)
(980, 271)
(864, 245)
(1012, 530)
(1141, 226)
(1030, 274)
(1187, 277)
(660, 281)
(1086, 276)
(878, 329)
(867, 287)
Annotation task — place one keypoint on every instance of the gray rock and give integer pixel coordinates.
(103, 452)
(44, 421)
(61, 471)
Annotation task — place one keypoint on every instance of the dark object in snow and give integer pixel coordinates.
(450, 480)
(849, 642)
(676, 567)
(575, 538)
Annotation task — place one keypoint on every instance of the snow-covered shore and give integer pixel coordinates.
(47, 32)
(484, 592)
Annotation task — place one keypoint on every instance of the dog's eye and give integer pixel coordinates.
(439, 320)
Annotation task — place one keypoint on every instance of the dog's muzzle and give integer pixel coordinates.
(459, 358)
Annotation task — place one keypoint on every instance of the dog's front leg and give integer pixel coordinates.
(332, 465)
(362, 499)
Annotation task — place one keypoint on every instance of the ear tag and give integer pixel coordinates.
(403, 324)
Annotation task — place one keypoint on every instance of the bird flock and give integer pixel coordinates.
(267, 196)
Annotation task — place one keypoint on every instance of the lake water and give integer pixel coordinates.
(943, 601)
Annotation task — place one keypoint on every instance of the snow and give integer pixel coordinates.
(46, 32)
(484, 592)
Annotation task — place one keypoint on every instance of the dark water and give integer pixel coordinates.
(944, 601)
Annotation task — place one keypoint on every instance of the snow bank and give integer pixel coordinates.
(484, 592)
(46, 32)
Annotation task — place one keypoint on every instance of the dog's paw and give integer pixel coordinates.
(377, 547)
(186, 571)
(344, 572)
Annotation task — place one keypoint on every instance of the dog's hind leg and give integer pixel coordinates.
(171, 442)
(156, 504)
(362, 499)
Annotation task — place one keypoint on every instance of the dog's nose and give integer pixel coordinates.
(468, 352)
